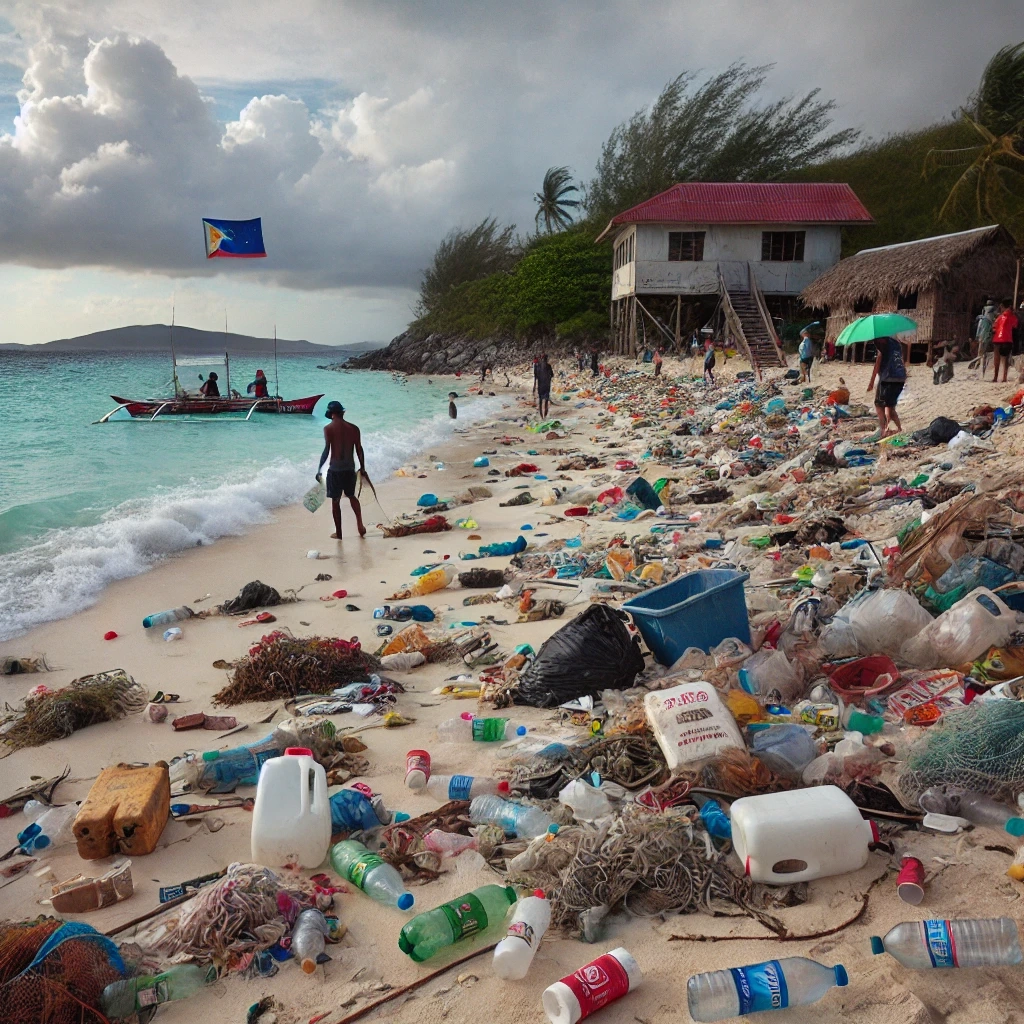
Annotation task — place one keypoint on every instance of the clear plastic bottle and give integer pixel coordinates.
(428, 933)
(514, 954)
(309, 937)
(481, 730)
(964, 803)
(465, 787)
(50, 829)
(364, 869)
(773, 985)
(969, 942)
(167, 618)
(518, 819)
(123, 999)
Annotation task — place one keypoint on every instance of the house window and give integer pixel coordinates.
(782, 246)
(685, 246)
(908, 301)
(864, 306)
(624, 252)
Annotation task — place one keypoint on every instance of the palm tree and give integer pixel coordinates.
(993, 177)
(553, 206)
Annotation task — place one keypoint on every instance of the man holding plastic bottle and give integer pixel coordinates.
(342, 442)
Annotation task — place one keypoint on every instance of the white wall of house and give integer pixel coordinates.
(728, 246)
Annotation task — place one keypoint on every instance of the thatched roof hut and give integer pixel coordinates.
(940, 282)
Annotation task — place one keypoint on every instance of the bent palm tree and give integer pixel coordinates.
(553, 204)
(993, 177)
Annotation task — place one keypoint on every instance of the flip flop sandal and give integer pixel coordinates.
(352, 608)
(266, 617)
(164, 698)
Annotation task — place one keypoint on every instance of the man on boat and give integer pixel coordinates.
(210, 388)
(258, 388)
(342, 442)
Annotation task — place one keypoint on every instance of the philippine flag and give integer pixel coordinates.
(233, 239)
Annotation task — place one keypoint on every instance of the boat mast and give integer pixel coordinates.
(174, 361)
(277, 383)
(227, 367)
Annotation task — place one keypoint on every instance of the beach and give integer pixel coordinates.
(965, 877)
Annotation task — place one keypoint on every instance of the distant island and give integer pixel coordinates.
(187, 341)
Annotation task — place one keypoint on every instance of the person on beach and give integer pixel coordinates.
(258, 387)
(210, 388)
(806, 353)
(544, 373)
(892, 375)
(453, 411)
(342, 442)
(595, 366)
(709, 363)
(657, 362)
(983, 333)
(1002, 339)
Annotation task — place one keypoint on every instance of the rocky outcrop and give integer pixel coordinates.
(448, 353)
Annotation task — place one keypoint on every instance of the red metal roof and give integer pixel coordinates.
(699, 202)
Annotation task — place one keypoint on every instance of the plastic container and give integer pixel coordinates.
(785, 749)
(963, 633)
(479, 730)
(514, 954)
(417, 768)
(309, 939)
(592, 987)
(976, 808)
(517, 819)
(126, 811)
(774, 985)
(969, 942)
(430, 932)
(465, 787)
(700, 609)
(123, 999)
(782, 838)
(291, 820)
(167, 618)
(436, 579)
(367, 871)
(50, 830)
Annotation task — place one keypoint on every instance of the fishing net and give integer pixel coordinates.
(285, 666)
(103, 697)
(482, 578)
(644, 864)
(979, 747)
(55, 972)
(434, 524)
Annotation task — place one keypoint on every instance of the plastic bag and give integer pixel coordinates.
(771, 671)
(691, 723)
(593, 652)
(963, 633)
(884, 620)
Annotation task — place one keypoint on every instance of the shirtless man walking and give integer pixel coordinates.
(342, 442)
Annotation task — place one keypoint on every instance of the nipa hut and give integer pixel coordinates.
(939, 282)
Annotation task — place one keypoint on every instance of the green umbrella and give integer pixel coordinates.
(878, 325)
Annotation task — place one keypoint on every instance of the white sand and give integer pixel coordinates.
(970, 883)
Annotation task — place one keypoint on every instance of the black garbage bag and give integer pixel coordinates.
(942, 430)
(252, 595)
(593, 652)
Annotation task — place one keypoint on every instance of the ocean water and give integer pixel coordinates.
(84, 505)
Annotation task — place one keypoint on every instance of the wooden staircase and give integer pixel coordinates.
(749, 322)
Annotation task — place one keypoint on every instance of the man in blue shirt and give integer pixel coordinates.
(806, 353)
(892, 375)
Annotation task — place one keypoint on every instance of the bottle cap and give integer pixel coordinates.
(298, 752)
(503, 789)
(405, 901)
(467, 716)
(842, 978)
(520, 730)
(309, 965)
(539, 893)
(1015, 826)
(877, 945)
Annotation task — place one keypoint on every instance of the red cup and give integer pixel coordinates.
(910, 880)
(417, 769)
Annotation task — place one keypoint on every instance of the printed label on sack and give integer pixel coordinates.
(598, 983)
(760, 987)
(357, 872)
(522, 930)
(459, 787)
(466, 915)
(941, 947)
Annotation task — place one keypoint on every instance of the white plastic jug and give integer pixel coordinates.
(291, 819)
(962, 633)
(782, 838)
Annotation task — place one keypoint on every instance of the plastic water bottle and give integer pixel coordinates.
(481, 730)
(465, 787)
(50, 829)
(309, 939)
(123, 999)
(774, 985)
(969, 942)
(352, 811)
(518, 819)
(428, 933)
(514, 954)
(167, 618)
(366, 870)
(964, 803)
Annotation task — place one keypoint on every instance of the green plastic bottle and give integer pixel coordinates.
(429, 932)
(123, 999)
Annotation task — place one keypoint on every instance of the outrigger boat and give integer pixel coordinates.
(185, 403)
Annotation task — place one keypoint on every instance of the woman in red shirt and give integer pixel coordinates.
(1002, 338)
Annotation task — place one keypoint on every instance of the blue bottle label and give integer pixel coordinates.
(760, 987)
(941, 947)
(459, 786)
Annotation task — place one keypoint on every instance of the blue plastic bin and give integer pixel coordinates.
(700, 609)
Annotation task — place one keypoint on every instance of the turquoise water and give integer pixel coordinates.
(83, 505)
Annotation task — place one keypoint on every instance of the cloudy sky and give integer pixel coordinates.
(362, 130)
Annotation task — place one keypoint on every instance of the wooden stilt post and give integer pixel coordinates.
(679, 322)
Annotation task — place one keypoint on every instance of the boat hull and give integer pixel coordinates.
(146, 407)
